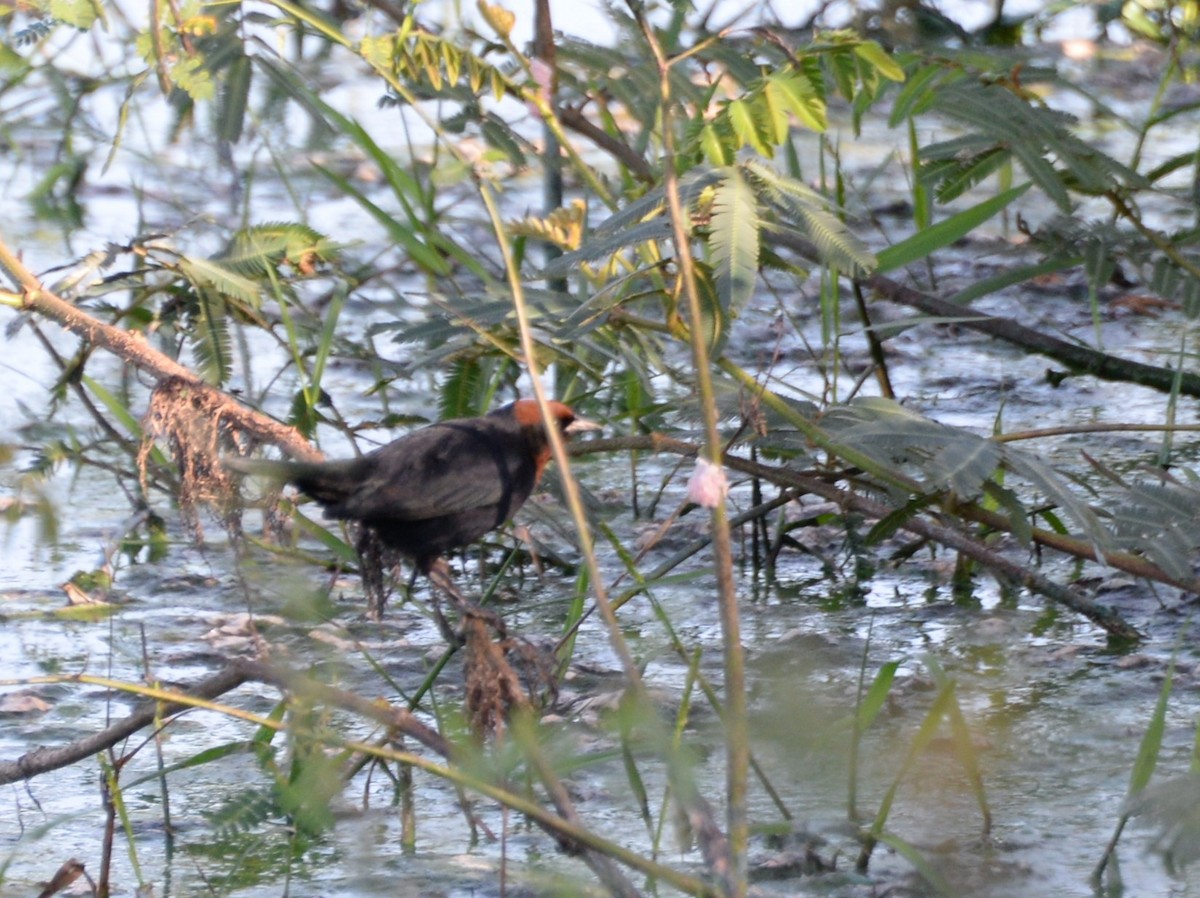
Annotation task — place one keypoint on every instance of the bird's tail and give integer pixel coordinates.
(327, 482)
(263, 467)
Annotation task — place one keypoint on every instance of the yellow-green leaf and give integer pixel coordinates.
(879, 58)
(733, 240)
(501, 19)
(797, 93)
(79, 13)
(715, 150)
(742, 120)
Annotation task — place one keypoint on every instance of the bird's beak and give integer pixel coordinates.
(579, 425)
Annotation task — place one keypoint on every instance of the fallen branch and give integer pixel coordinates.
(131, 347)
(1079, 359)
(234, 674)
(566, 827)
(1100, 615)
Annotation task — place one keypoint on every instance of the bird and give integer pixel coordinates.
(438, 488)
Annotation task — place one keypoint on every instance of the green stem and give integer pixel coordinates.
(737, 728)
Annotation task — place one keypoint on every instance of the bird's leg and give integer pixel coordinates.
(452, 638)
(438, 572)
(371, 562)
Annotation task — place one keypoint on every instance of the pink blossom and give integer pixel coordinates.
(543, 77)
(708, 484)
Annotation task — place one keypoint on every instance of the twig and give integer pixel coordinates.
(132, 348)
(1102, 616)
(1080, 359)
(564, 827)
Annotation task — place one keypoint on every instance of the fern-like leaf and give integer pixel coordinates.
(255, 250)
(947, 458)
(602, 245)
(210, 337)
(212, 274)
(800, 205)
(1040, 138)
(733, 240)
(1056, 490)
(691, 186)
(247, 809)
(460, 393)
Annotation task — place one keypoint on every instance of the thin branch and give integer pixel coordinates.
(1100, 615)
(1079, 359)
(729, 862)
(566, 827)
(42, 760)
(132, 348)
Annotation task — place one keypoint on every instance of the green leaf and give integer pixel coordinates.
(844, 74)
(802, 206)
(886, 526)
(733, 241)
(924, 736)
(191, 75)
(1043, 174)
(80, 14)
(922, 243)
(716, 150)
(948, 457)
(599, 245)
(345, 552)
(916, 95)
(1147, 756)
(879, 58)
(1043, 477)
(691, 186)
(232, 114)
(1013, 276)
(211, 274)
(775, 113)
(499, 136)
(964, 745)
(741, 117)
(418, 251)
(955, 178)
(210, 338)
(460, 393)
(876, 696)
(927, 871)
(714, 316)
(116, 408)
(259, 249)
(794, 91)
(205, 756)
(1018, 517)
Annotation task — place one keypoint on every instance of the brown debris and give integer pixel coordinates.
(493, 687)
(194, 425)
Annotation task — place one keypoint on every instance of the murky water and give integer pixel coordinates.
(1056, 718)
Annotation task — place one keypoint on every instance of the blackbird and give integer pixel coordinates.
(438, 488)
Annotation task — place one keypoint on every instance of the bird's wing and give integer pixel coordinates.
(439, 470)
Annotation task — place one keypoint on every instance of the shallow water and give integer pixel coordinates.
(1056, 717)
